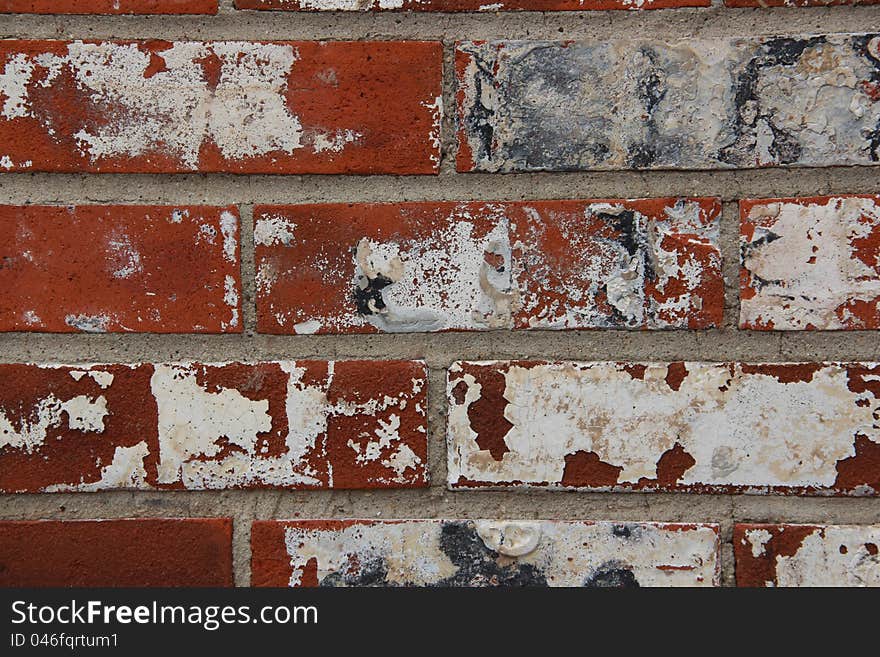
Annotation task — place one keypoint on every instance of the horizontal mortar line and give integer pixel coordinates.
(730, 186)
(536, 506)
(671, 24)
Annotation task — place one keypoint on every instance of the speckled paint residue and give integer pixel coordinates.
(811, 263)
(650, 263)
(646, 104)
(807, 555)
(703, 427)
(120, 268)
(442, 553)
(304, 424)
(464, 5)
(251, 107)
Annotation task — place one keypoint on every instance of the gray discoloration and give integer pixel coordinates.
(467, 553)
(640, 104)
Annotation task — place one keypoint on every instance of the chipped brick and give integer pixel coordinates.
(806, 555)
(156, 269)
(464, 5)
(443, 553)
(108, 6)
(110, 553)
(810, 263)
(647, 104)
(238, 107)
(402, 267)
(290, 425)
(690, 427)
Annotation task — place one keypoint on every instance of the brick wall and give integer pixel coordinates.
(439, 296)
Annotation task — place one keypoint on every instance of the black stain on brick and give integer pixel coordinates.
(784, 147)
(476, 565)
(612, 574)
(369, 299)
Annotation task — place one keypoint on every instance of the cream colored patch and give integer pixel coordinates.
(565, 553)
(807, 269)
(820, 562)
(745, 430)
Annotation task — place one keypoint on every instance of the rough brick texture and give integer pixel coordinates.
(640, 104)
(464, 5)
(242, 107)
(483, 553)
(295, 425)
(469, 266)
(102, 269)
(810, 263)
(806, 428)
(108, 6)
(110, 553)
(807, 555)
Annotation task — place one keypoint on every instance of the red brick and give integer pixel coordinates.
(239, 107)
(797, 3)
(403, 267)
(108, 6)
(807, 555)
(483, 553)
(772, 428)
(291, 425)
(156, 269)
(810, 263)
(465, 5)
(114, 553)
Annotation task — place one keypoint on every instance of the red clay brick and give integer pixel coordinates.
(465, 5)
(402, 267)
(114, 553)
(157, 269)
(108, 6)
(483, 553)
(240, 107)
(291, 425)
(807, 555)
(810, 263)
(766, 428)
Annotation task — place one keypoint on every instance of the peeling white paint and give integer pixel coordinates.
(743, 430)
(126, 471)
(803, 266)
(173, 110)
(83, 413)
(439, 283)
(558, 553)
(272, 230)
(820, 561)
(193, 420)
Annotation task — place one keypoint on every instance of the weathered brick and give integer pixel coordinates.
(482, 553)
(120, 268)
(807, 555)
(344, 268)
(464, 5)
(795, 428)
(240, 107)
(797, 3)
(108, 6)
(154, 552)
(294, 425)
(647, 104)
(810, 263)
